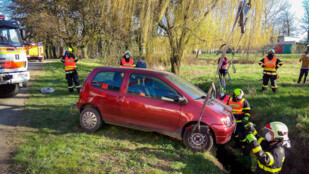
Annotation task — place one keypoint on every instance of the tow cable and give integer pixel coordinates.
(242, 12)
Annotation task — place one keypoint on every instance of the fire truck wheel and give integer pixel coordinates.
(10, 90)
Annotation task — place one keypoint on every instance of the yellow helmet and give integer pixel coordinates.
(68, 49)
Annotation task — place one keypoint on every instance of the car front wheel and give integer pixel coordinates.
(90, 120)
(198, 141)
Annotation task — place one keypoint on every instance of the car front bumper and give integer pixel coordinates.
(223, 133)
(13, 78)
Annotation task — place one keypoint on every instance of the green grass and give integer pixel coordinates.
(53, 141)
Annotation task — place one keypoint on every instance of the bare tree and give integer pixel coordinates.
(286, 21)
(305, 19)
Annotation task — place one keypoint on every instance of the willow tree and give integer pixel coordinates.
(182, 17)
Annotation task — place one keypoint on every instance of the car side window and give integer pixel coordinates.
(151, 87)
(109, 80)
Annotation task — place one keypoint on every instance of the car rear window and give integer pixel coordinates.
(109, 80)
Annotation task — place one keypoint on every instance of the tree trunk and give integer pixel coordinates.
(176, 63)
(84, 52)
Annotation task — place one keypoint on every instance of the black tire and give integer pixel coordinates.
(9, 90)
(198, 142)
(90, 120)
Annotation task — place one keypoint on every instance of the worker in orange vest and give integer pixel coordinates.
(270, 64)
(223, 97)
(241, 110)
(127, 61)
(71, 74)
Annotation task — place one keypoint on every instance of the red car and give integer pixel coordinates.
(154, 101)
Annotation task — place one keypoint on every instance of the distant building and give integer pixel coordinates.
(285, 44)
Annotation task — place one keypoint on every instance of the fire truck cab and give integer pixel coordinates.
(13, 59)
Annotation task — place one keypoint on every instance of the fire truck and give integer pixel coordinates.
(35, 51)
(13, 60)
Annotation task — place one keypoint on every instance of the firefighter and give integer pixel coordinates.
(71, 74)
(241, 110)
(269, 151)
(127, 61)
(223, 97)
(270, 64)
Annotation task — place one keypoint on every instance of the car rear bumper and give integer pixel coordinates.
(223, 133)
(13, 78)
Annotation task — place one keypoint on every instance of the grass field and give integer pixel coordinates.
(55, 143)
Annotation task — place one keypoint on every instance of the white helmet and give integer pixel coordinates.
(271, 51)
(279, 130)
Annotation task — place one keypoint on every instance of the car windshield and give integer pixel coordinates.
(193, 91)
(9, 38)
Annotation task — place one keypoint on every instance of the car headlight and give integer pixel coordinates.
(228, 121)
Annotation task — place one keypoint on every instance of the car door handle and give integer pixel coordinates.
(119, 99)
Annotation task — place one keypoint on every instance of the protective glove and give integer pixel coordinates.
(249, 127)
(245, 119)
(250, 138)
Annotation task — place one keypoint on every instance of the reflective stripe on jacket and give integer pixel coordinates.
(270, 65)
(127, 64)
(69, 63)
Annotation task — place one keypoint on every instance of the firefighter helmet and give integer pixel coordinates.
(127, 53)
(68, 49)
(238, 92)
(271, 51)
(279, 130)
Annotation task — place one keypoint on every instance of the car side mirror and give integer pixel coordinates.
(180, 99)
(23, 34)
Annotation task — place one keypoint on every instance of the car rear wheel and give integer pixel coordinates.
(198, 141)
(90, 120)
(9, 90)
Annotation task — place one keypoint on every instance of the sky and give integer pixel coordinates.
(298, 9)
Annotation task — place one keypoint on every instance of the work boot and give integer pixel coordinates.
(274, 90)
(264, 89)
(78, 90)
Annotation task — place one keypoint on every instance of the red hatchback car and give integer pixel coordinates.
(153, 101)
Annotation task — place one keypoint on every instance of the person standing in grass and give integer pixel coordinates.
(270, 64)
(304, 67)
(141, 63)
(223, 70)
(127, 61)
(71, 74)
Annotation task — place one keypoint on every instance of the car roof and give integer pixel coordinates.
(140, 70)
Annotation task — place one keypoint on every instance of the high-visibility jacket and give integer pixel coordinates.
(69, 63)
(225, 99)
(270, 65)
(270, 157)
(237, 106)
(127, 64)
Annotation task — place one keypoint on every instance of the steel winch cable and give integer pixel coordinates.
(212, 87)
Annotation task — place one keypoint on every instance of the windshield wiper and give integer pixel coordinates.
(201, 97)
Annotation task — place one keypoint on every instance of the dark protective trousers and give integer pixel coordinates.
(302, 73)
(72, 76)
(272, 79)
(240, 138)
